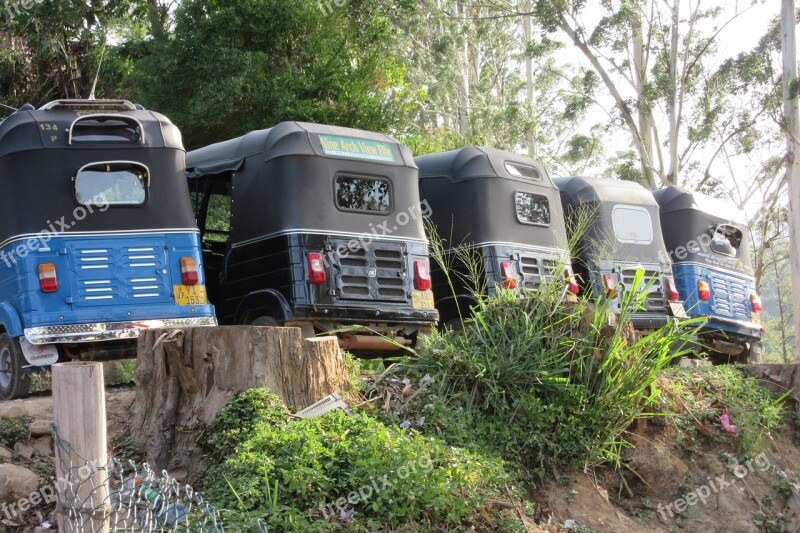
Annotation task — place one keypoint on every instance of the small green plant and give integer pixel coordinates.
(339, 471)
(120, 372)
(13, 430)
(752, 409)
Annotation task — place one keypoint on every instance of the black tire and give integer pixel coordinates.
(265, 320)
(752, 355)
(15, 381)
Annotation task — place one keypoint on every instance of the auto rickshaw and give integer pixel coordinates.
(708, 242)
(98, 237)
(318, 227)
(504, 208)
(621, 234)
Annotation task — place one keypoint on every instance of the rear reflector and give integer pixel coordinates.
(422, 276)
(611, 285)
(672, 290)
(755, 302)
(572, 285)
(48, 281)
(509, 276)
(189, 275)
(703, 290)
(316, 268)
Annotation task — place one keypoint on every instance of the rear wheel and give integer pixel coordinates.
(15, 382)
(752, 354)
(265, 320)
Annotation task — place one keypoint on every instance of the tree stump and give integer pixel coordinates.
(185, 376)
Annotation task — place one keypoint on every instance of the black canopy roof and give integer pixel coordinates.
(283, 180)
(472, 194)
(287, 139)
(41, 150)
(690, 219)
(602, 240)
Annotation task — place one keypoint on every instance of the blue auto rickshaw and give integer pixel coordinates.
(708, 244)
(97, 235)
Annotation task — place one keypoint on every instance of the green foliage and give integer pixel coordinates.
(298, 475)
(233, 67)
(13, 430)
(542, 381)
(709, 392)
(236, 422)
(119, 372)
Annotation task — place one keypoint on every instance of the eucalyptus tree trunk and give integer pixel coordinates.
(791, 117)
(674, 126)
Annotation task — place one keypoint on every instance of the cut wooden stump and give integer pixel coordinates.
(185, 376)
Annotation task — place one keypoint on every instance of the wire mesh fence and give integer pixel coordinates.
(121, 496)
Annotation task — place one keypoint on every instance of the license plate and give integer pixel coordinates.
(422, 300)
(190, 294)
(677, 309)
(755, 317)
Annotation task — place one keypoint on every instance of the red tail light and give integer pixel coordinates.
(572, 285)
(755, 302)
(316, 268)
(509, 276)
(672, 290)
(422, 276)
(189, 274)
(703, 290)
(611, 285)
(48, 281)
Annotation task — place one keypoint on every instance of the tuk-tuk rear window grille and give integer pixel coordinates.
(532, 208)
(112, 183)
(363, 194)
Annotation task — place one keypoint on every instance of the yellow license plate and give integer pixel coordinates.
(755, 317)
(422, 299)
(190, 294)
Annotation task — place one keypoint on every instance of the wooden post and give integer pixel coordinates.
(79, 406)
(791, 118)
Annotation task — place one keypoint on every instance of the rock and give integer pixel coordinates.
(40, 529)
(43, 446)
(5, 453)
(16, 482)
(23, 450)
(36, 408)
(40, 428)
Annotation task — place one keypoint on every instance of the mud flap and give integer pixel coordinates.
(39, 354)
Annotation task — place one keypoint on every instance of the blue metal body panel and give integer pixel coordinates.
(101, 278)
(729, 308)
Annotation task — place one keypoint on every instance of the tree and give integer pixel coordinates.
(232, 67)
(479, 95)
(655, 60)
(52, 50)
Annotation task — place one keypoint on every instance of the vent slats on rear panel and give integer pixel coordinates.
(121, 272)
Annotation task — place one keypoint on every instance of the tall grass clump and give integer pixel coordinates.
(549, 381)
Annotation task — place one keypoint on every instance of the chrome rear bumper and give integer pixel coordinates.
(107, 331)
